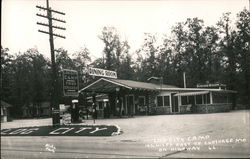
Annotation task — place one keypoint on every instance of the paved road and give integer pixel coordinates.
(189, 136)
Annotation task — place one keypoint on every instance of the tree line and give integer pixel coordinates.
(219, 53)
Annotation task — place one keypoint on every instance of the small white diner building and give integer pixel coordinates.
(128, 98)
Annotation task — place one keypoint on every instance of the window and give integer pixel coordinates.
(199, 99)
(100, 105)
(141, 101)
(184, 100)
(206, 98)
(166, 101)
(159, 101)
(163, 101)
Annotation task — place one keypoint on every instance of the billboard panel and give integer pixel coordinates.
(70, 83)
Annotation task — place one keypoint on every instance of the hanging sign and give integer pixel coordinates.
(70, 82)
(99, 72)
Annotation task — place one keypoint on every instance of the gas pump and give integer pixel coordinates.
(75, 111)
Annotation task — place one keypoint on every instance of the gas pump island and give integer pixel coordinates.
(71, 89)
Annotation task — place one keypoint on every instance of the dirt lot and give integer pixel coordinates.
(143, 127)
(220, 135)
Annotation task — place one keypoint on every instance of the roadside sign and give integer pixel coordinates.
(70, 83)
(99, 72)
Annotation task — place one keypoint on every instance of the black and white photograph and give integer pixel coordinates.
(125, 79)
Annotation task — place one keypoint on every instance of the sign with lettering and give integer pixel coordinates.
(99, 72)
(194, 143)
(64, 130)
(70, 83)
(210, 85)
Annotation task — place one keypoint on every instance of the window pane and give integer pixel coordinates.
(206, 98)
(184, 100)
(198, 99)
(100, 105)
(159, 101)
(166, 101)
(141, 101)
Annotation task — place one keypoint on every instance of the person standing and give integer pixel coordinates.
(94, 111)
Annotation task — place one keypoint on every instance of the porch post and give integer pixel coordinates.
(211, 97)
(170, 100)
(179, 104)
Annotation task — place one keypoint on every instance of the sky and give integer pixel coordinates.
(85, 20)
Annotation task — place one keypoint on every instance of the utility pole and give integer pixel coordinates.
(54, 74)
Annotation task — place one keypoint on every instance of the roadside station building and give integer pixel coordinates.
(128, 98)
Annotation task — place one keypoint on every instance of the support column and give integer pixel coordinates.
(211, 97)
(179, 104)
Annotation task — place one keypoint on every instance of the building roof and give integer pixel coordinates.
(3, 103)
(199, 89)
(110, 85)
(45, 104)
(192, 93)
(104, 85)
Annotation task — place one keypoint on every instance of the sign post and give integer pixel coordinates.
(70, 88)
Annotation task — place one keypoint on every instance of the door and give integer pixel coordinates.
(192, 102)
(175, 107)
(130, 105)
(122, 107)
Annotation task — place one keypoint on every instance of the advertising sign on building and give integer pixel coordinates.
(211, 85)
(70, 83)
(99, 72)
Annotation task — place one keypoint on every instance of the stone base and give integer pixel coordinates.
(213, 108)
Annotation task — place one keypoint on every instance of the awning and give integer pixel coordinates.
(191, 93)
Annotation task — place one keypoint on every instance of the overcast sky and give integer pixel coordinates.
(85, 20)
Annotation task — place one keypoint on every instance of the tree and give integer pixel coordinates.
(6, 74)
(125, 67)
(116, 54)
(213, 60)
(149, 62)
(189, 51)
(111, 50)
(227, 49)
(81, 58)
(165, 61)
(180, 59)
(30, 83)
(63, 60)
(242, 43)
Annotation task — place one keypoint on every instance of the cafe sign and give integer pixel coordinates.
(70, 82)
(99, 72)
